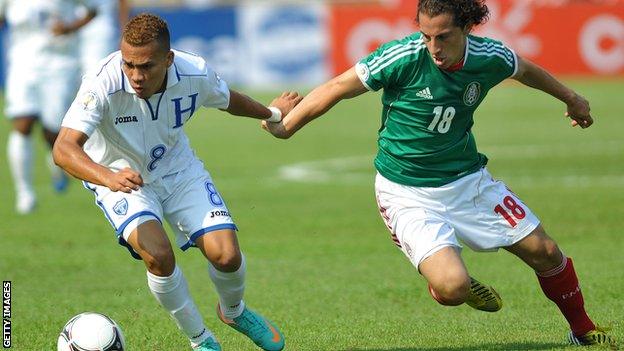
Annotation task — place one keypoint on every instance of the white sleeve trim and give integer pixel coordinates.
(515, 57)
(363, 72)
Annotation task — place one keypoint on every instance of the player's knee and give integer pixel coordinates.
(547, 256)
(227, 261)
(551, 254)
(24, 125)
(160, 262)
(452, 292)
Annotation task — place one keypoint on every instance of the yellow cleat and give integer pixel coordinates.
(483, 298)
(597, 336)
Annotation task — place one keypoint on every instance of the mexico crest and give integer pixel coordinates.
(472, 93)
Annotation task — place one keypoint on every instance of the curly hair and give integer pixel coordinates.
(146, 28)
(465, 12)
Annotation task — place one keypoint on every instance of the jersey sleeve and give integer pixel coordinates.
(215, 90)
(502, 60)
(87, 109)
(387, 65)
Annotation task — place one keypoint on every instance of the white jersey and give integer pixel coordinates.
(145, 135)
(32, 43)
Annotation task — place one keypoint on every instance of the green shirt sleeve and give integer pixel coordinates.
(391, 63)
(501, 60)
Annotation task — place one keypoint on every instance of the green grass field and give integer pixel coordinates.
(320, 261)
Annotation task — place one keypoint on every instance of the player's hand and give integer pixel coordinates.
(578, 112)
(287, 101)
(278, 129)
(125, 181)
(59, 28)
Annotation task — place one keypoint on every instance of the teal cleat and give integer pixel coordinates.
(259, 329)
(209, 345)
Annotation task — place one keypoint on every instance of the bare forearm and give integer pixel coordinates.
(315, 104)
(76, 162)
(124, 12)
(578, 109)
(538, 78)
(243, 105)
(322, 99)
(81, 22)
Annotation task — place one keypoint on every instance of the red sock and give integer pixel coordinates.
(561, 286)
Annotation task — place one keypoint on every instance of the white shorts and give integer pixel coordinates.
(482, 212)
(188, 200)
(46, 94)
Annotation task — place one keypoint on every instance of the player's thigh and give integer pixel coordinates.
(150, 241)
(57, 91)
(196, 208)
(21, 93)
(487, 215)
(445, 269)
(416, 223)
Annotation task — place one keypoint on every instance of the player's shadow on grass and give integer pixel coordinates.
(482, 347)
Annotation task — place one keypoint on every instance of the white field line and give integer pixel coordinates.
(359, 169)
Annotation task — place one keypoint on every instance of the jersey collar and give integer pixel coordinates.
(173, 77)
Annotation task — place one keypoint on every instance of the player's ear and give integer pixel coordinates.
(170, 56)
(468, 28)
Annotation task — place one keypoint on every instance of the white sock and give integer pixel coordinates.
(173, 294)
(230, 287)
(20, 155)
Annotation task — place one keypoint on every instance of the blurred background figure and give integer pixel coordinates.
(42, 78)
(100, 37)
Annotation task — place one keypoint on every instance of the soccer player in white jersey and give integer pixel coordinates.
(123, 136)
(432, 186)
(100, 37)
(42, 78)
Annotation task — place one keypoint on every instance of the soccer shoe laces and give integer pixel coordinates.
(597, 336)
(483, 298)
(250, 322)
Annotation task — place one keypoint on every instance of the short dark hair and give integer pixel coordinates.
(146, 28)
(465, 12)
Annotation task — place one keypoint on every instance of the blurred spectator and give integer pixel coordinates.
(100, 37)
(42, 79)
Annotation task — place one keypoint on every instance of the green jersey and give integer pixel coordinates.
(425, 138)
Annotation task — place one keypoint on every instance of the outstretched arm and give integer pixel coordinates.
(536, 77)
(243, 105)
(317, 102)
(69, 155)
(124, 13)
(60, 28)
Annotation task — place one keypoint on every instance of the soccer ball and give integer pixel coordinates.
(91, 331)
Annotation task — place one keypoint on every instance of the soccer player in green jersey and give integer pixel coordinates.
(432, 186)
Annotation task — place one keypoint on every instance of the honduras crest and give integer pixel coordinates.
(121, 207)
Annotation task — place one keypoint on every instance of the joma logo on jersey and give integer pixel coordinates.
(125, 119)
(214, 214)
